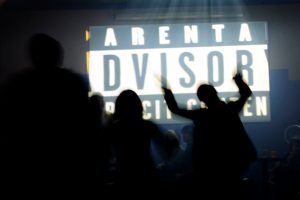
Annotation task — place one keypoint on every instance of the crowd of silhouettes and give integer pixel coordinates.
(56, 139)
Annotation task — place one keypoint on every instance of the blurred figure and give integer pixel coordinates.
(285, 177)
(186, 174)
(132, 137)
(97, 110)
(100, 122)
(171, 166)
(187, 137)
(44, 117)
(173, 148)
(222, 149)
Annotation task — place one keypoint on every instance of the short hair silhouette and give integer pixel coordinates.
(45, 51)
(207, 93)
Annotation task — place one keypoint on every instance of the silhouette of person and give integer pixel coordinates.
(185, 176)
(222, 150)
(97, 110)
(285, 176)
(171, 166)
(187, 136)
(132, 137)
(172, 146)
(45, 111)
(100, 121)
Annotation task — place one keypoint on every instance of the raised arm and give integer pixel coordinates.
(244, 90)
(173, 107)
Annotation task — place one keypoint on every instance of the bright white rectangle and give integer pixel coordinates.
(175, 72)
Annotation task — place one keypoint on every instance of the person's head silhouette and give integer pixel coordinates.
(97, 101)
(128, 106)
(45, 51)
(208, 94)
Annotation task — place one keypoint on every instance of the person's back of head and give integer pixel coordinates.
(97, 110)
(208, 94)
(97, 101)
(171, 144)
(45, 51)
(172, 139)
(187, 133)
(128, 106)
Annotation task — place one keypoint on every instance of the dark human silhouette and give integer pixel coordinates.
(285, 177)
(222, 149)
(44, 116)
(186, 174)
(97, 110)
(100, 121)
(187, 137)
(171, 166)
(132, 137)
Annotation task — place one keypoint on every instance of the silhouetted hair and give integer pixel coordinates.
(172, 139)
(97, 101)
(45, 51)
(207, 93)
(128, 106)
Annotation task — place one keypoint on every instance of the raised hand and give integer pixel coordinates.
(238, 76)
(163, 81)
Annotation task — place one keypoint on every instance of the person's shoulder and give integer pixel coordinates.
(67, 72)
(19, 78)
(149, 123)
(231, 105)
(68, 75)
(199, 113)
(23, 74)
